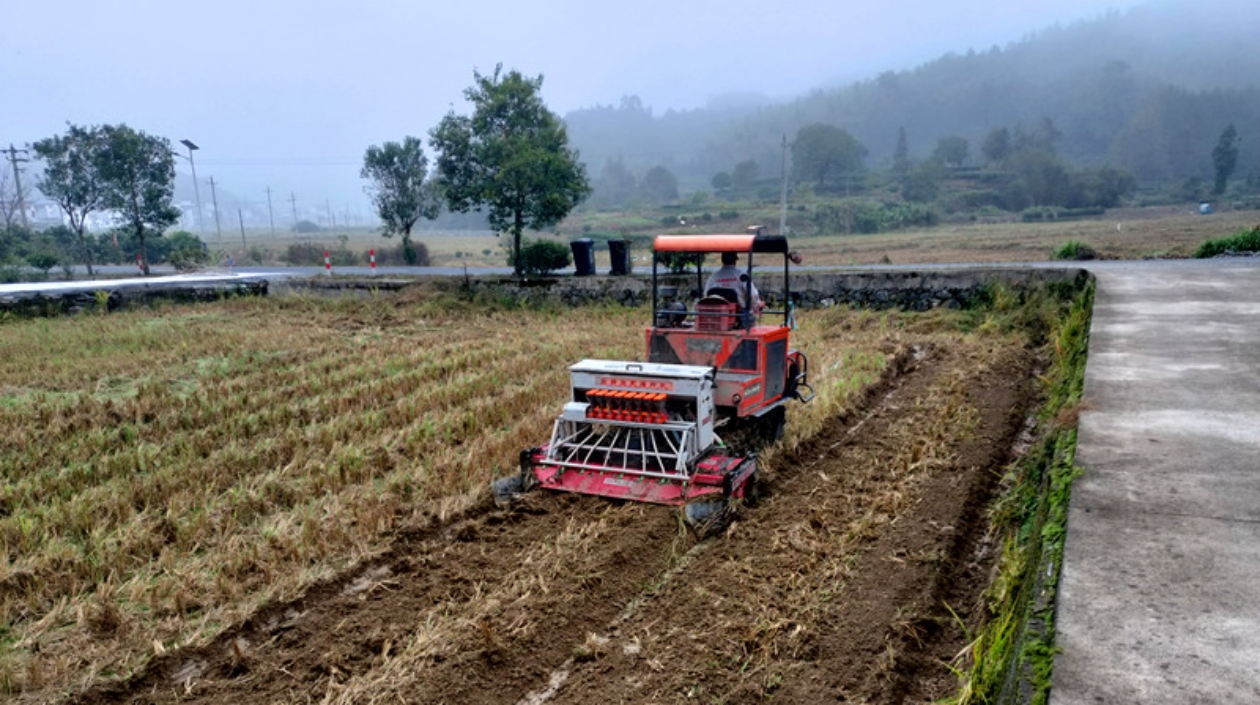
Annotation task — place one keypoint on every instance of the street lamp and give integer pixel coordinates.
(196, 188)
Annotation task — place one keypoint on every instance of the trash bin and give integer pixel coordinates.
(583, 257)
(619, 250)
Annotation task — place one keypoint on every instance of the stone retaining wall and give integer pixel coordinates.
(873, 288)
(902, 288)
(79, 300)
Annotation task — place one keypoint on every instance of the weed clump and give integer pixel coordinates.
(1240, 242)
(1075, 250)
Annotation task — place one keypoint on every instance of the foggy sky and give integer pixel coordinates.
(289, 93)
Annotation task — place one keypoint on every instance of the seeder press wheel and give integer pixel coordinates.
(710, 518)
(707, 518)
(506, 489)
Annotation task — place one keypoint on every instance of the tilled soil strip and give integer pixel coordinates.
(835, 590)
(454, 601)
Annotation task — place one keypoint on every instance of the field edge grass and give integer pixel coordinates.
(1013, 656)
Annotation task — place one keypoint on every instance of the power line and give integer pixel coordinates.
(330, 161)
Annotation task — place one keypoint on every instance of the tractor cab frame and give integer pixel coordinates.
(756, 372)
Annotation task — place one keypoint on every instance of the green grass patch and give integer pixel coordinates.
(1075, 250)
(1015, 651)
(1239, 242)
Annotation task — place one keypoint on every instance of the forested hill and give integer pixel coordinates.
(1149, 90)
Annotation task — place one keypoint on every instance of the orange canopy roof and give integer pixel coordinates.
(720, 243)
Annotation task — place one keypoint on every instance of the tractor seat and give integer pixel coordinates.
(729, 295)
(714, 313)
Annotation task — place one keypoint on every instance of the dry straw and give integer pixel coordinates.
(166, 472)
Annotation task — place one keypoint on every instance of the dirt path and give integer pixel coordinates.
(834, 588)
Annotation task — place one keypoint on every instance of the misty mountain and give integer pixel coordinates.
(1149, 90)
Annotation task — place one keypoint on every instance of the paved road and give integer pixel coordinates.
(285, 272)
(1160, 594)
(54, 287)
(282, 271)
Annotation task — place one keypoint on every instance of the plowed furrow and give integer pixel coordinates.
(455, 607)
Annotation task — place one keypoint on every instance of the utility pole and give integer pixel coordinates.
(293, 202)
(271, 216)
(241, 219)
(214, 198)
(14, 160)
(196, 187)
(332, 220)
(783, 192)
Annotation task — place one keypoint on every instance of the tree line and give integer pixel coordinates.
(1147, 92)
(509, 159)
(94, 169)
(1012, 168)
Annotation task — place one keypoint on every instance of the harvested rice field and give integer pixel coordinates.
(286, 500)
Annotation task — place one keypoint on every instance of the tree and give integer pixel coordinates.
(952, 151)
(826, 151)
(744, 175)
(923, 182)
(43, 261)
(659, 185)
(137, 171)
(721, 181)
(72, 178)
(1191, 189)
(1042, 176)
(616, 184)
(186, 251)
(901, 155)
(1042, 137)
(1103, 188)
(996, 147)
(1160, 141)
(511, 156)
(398, 188)
(1225, 158)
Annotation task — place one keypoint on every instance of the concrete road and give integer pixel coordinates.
(53, 287)
(1159, 599)
(285, 271)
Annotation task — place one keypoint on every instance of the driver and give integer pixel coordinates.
(728, 278)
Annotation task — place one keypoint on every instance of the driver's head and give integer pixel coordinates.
(729, 258)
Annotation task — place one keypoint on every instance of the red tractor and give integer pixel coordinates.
(720, 369)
